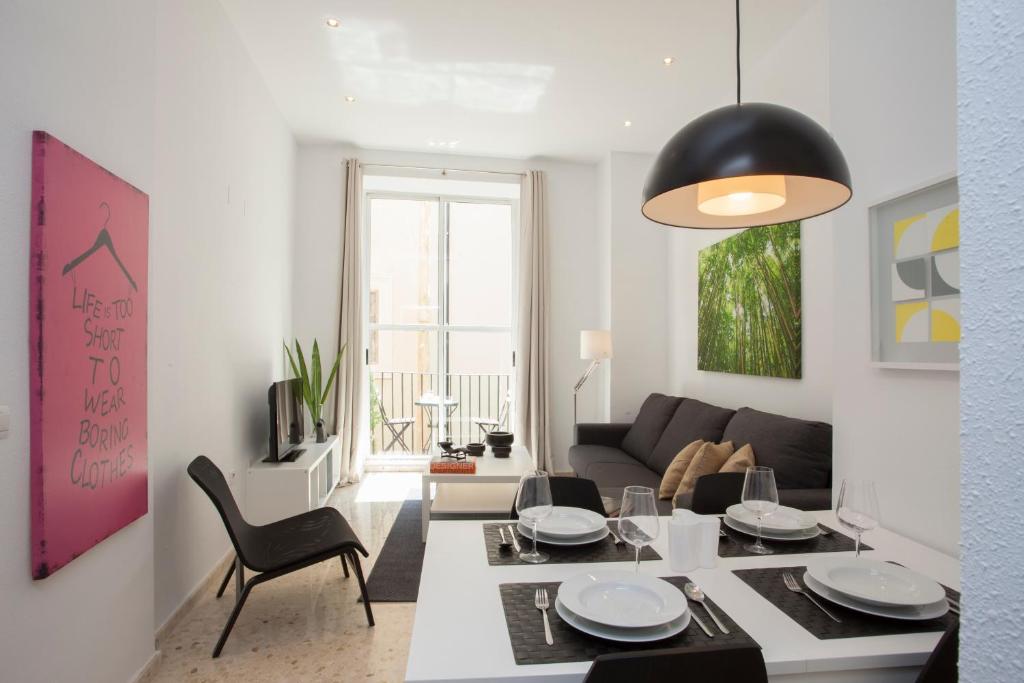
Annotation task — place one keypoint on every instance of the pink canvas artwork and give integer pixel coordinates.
(87, 321)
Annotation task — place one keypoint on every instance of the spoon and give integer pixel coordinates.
(504, 545)
(693, 592)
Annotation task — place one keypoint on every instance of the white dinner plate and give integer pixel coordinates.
(782, 521)
(623, 635)
(876, 582)
(553, 540)
(771, 535)
(622, 599)
(932, 611)
(566, 522)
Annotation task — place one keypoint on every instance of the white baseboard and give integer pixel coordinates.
(212, 578)
(146, 672)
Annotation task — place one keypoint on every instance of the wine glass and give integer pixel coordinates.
(533, 503)
(857, 508)
(761, 497)
(638, 519)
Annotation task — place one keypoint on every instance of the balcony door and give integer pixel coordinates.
(440, 319)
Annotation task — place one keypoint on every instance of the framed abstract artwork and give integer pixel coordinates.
(915, 279)
(749, 303)
(87, 321)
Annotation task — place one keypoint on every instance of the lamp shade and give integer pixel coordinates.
(595, 344)
(746, 165)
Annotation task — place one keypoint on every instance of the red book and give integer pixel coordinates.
(440, 465)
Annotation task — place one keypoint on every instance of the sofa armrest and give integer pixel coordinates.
(806, 499)
(602, 433)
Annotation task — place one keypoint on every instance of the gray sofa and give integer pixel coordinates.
(617, 455)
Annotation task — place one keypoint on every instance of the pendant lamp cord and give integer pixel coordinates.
(737, 51)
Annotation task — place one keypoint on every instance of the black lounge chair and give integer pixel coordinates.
(278, 548)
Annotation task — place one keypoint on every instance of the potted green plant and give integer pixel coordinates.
(310, 376)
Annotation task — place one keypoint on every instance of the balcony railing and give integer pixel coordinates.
(398, 395)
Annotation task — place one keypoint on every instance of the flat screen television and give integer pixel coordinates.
(287, 421)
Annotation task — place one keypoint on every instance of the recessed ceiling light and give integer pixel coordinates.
(333, 23)
(627, 124)
(668, 61)
(350, 98)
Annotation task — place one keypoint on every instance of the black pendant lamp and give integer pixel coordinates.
(746, 165)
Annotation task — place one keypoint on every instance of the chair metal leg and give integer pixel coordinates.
(227, 577)
(231, 620)
(362, 587)
(344, 565)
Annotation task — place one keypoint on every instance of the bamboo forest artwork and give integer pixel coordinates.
(748, 311)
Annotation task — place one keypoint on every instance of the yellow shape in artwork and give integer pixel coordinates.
(945, 328)
(947, 234)
(904, 312)
(899, 227)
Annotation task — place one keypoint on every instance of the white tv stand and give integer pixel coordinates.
(276, 490)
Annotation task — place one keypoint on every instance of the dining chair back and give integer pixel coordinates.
(572, 492)
(941, 666)
(713, 493)
(277, 548)
(710, 664)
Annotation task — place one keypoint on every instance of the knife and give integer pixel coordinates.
(515, 541)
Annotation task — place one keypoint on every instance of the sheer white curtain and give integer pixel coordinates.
(533, 357)
(350, 396)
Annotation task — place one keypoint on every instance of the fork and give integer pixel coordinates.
(792, 585)
(618, 540)
(540, 601)
(824, 530)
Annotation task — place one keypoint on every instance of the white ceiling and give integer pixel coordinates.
(553, 78)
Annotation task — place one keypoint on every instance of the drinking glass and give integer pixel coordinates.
(533, 503)
(857, 508)
(638, 519)
(761, 497)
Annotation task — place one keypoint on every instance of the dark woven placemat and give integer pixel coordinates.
(769, 583)
(526, 629)
(604, 550)
(733, 545)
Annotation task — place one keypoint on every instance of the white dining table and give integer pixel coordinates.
(459, 633)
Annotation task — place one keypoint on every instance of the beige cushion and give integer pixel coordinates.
(740, 460)
(676, 470)
(709, 459)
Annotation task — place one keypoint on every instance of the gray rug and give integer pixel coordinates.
(396, 573)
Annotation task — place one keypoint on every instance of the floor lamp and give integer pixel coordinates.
(595, 346)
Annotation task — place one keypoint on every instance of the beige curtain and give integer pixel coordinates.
(350, 397)
(533, 361)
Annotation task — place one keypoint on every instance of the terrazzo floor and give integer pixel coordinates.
(307, 626)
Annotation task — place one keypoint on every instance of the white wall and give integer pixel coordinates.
(638, 296)
(167, 98)
(220, 280)
(573, 225)
(991, 146)
(793, 74)
(893, 113)
(83, 72)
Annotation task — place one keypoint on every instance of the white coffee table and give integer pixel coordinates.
(491, 490)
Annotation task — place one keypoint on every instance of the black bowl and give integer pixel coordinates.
(500, 439)
(501, 451)
(475, 448)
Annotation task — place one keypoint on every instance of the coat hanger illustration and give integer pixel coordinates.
(102, 241)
